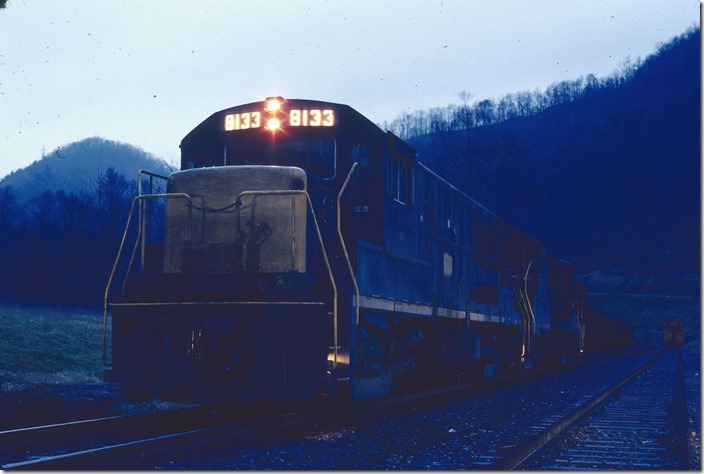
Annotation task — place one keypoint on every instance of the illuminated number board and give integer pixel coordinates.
(296, 118)
(311, 117)
(243, 121)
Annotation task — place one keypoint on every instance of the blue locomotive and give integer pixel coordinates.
(302, 250)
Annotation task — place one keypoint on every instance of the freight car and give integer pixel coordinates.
(304, 250)
(604, 333)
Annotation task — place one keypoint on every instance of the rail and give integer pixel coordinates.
(518, 458)
(322, 247)
(122, 244)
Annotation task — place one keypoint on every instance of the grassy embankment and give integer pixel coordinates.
(46, 345)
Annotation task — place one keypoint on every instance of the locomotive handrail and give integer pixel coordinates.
(530, 306)
(579, 316)
(142, 208)
(342, 240)
(151, 175)
(284, 192)
(141, 229)
(518, 295)
(122, 244)
(525, 309)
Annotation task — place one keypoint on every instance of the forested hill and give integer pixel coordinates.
(62, 218)
(76, 168)
(604, 171)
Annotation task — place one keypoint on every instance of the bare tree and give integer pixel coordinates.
(463, 114)
(9, 209)
(112, 196)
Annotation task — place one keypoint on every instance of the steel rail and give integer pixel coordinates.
(136, 450)
(527, 449)
(17, 443)
(107, 456)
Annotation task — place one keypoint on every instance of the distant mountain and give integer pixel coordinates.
(76, 168)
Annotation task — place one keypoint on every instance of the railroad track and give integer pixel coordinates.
(104, 442)
(124, 440)
(149, 446)
(636, 424)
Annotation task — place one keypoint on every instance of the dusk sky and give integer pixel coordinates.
(147, 72)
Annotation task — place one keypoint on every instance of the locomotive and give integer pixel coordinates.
(304, 251)
(673, 333)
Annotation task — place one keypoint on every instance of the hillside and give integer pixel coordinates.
(75, 168)
(62, 218)
(609, 178)
(605, 172)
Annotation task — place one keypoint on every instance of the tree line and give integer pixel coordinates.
(60, 248)
(468, 115)
(616, 157)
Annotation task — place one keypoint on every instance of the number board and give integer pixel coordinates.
(291, 117)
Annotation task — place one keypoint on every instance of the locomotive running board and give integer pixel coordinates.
(234, 303)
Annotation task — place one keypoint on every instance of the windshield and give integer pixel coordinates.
(314, 156)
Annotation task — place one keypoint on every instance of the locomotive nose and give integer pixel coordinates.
(245, 219)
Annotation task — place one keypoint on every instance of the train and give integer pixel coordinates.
(673, 333)
(301, 251)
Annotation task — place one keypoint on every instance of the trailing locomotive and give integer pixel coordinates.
(673, 333)
(304, 250)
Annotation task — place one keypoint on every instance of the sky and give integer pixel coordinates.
(147, 72)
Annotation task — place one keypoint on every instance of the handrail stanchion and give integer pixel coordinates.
(137, 199)
(342, 240)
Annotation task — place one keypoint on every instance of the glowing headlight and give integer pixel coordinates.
(273, 124)
(272, 105)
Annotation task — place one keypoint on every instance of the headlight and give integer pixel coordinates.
(273, 124)
(273, 105)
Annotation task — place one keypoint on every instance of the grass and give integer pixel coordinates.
(44, 345)
(51, 368)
